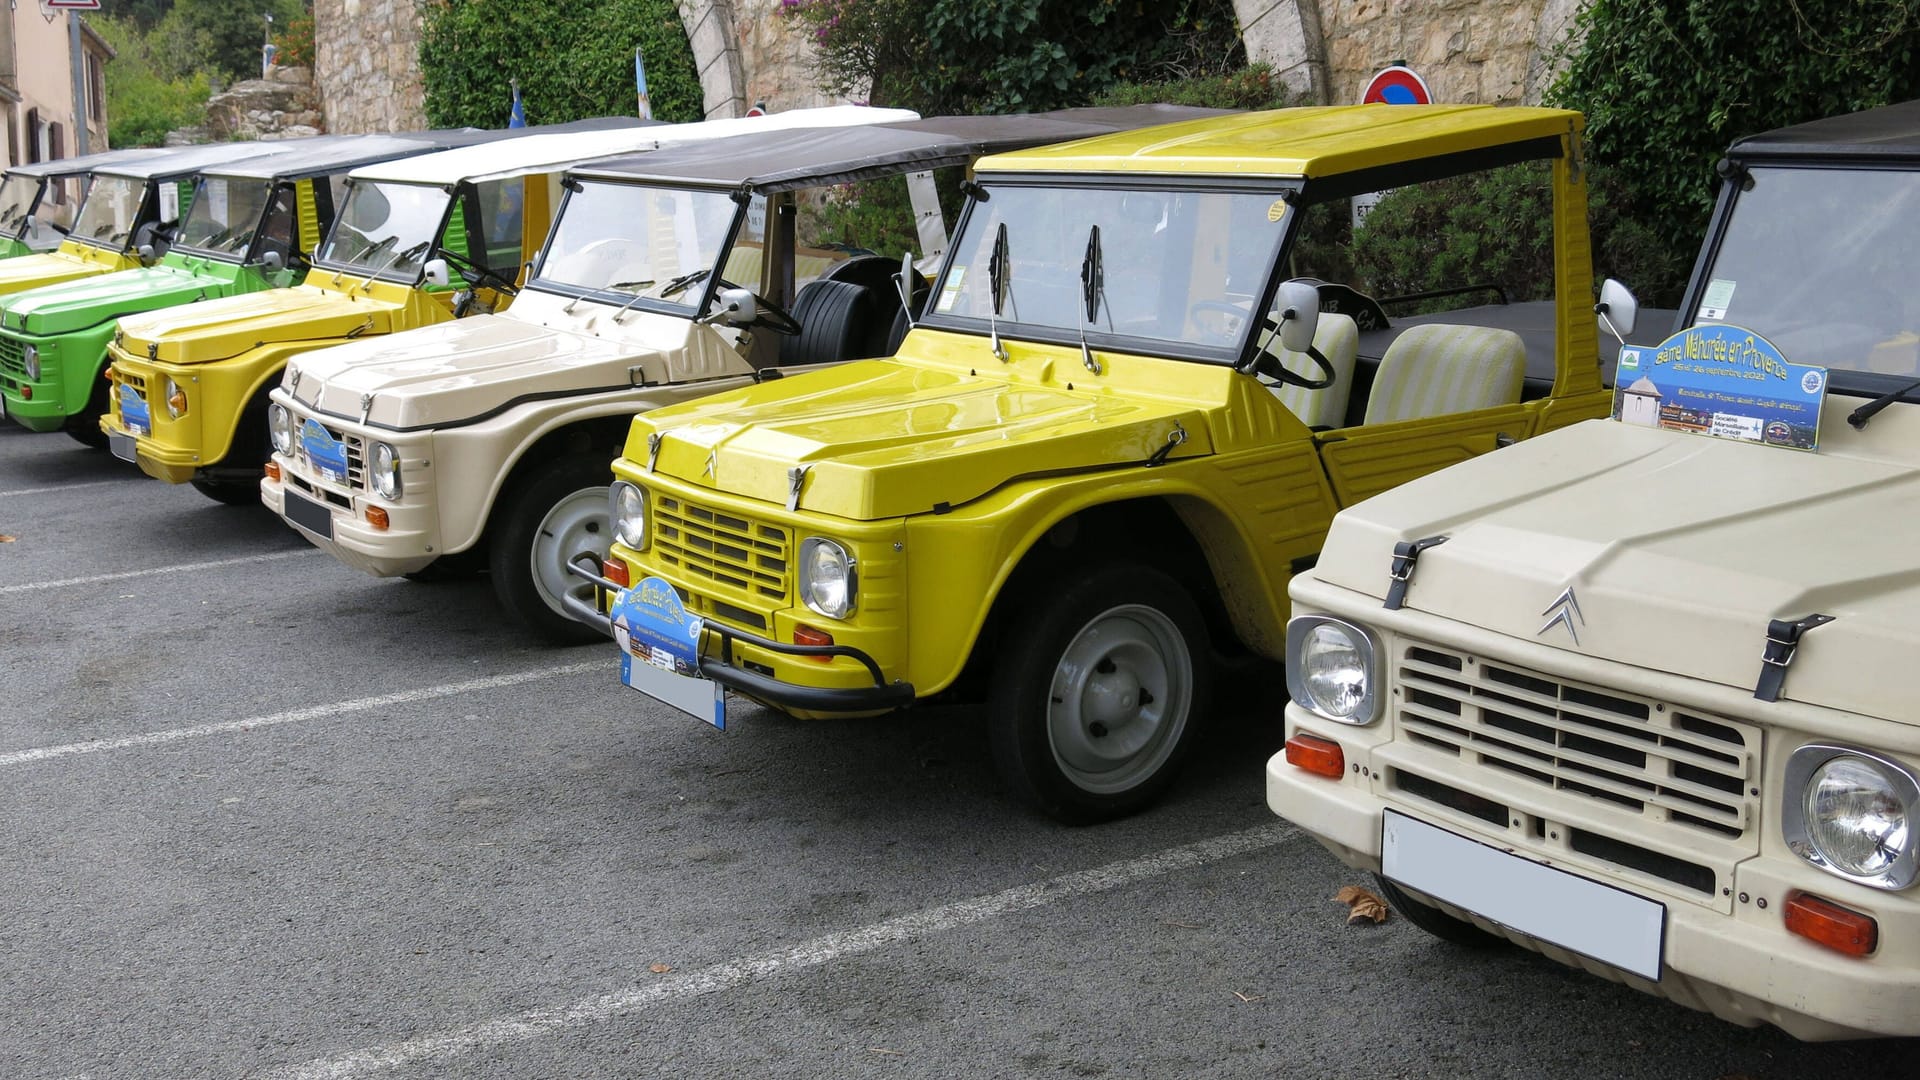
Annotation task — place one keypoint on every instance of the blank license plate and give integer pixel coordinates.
(1599, 921)
(123, 446)
(309, 515)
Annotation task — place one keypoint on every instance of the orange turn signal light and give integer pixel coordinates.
(807, 635)
(1824, 922)
(615, 570)
(1321, 757)
(377, 516)
(273, 471)
(177, 402)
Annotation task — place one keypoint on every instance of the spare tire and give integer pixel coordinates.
(836, 320)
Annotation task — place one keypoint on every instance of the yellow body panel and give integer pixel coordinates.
(71, 261)
(227, 353)
(943, 469)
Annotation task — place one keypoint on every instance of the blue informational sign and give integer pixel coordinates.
(133, 411)
(327, 454)
(1724, 381)
(660, 650)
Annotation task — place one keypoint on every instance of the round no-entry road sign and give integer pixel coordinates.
(1397, 85)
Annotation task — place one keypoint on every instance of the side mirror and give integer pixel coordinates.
(147, 255)
(1298, 305)
(436, 272)
(905, 283)
(273, 260)
(27, 225)
(737, 307)
(1618, 310)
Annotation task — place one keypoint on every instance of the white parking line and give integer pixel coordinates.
(292, 716)
(59, 487)
(822, 950)
(97, 579)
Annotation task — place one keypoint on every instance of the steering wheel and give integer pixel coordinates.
(776, 318)
(1264, 362)
(476, 274)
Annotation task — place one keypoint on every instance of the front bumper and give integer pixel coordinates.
(411, 538)
(586, 602)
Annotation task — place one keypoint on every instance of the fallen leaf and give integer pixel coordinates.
(659, 969)
(1362, 904)
(5, 539)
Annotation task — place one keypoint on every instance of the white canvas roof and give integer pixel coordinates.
(553, 152)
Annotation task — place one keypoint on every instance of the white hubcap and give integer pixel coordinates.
(576, 523)
(1119, 699)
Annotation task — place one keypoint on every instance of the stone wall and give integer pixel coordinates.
(1468, 51)
(284, 105)
(367, 54)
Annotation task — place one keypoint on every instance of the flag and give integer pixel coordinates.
(640, 84)
(518, 117)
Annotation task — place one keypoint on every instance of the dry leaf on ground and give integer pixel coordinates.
(659, 969)
(1362, 904)
(5, 539)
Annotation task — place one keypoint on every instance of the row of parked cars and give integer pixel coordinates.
(1628, 694)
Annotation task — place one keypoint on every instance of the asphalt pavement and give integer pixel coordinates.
(269, 817)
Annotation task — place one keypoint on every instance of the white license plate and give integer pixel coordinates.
(123, 447)
(696, 695)
(1599, 921)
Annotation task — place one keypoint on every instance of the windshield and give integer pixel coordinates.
(1181, 268)
(642, 241)
(1820, 263)
(224, 215)
(386, 228)
(16, 202)
(108, 216)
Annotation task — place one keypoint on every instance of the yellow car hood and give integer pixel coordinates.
(886, 438)
(48, 268)
(218, 329)
(1679, 549)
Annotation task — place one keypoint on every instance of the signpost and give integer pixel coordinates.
(1396, 84)
(77, 60)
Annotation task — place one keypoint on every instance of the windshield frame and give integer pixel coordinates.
(1238, 354)
(1846, 382)
(147, 210)
(19, 231)
(704, 289)
(455, 196)
(241, 258)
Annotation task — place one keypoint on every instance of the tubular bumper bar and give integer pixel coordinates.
(583, 603)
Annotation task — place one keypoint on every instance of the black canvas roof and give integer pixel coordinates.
(808, 157)
(1891, 131)
(74, 166)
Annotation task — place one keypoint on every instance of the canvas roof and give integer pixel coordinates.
(1891, 131)
(74, 166)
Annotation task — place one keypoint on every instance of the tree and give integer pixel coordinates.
(218, 38)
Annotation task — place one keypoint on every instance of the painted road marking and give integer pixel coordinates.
(526, 1026)
(294, 716)
(59, 487)
(98, 579)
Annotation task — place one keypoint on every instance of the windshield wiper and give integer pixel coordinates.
(417, 249)
(1093, 286)
(1859, 417)
(637, 297)
(679, 285)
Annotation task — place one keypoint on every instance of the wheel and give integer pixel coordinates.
(84, 425)
(552, 513)
(1098, 692)
(1437, 922)
(835, 318)
(229, 492)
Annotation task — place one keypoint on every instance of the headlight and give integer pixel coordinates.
(31, 358)
(1850, 813)
(176, 400)
(1330, 669)
(280, 426)
(384, 471)
(828, 583)
(627, 506)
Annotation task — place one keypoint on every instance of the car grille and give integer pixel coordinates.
(356, 451)
(13, 357)
(747, 559)
(1679, 769)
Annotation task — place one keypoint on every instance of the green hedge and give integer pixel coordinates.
(573, 60)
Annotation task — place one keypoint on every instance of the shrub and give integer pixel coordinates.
(142, 106)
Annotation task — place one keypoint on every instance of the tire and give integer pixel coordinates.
(1070, 732)
(835, 319)
(1437, 922)
(552, 512)
(229, 492)
(84, 426)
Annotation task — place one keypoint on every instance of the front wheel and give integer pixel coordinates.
(554, 512)
(1098, 691)
(84, 426)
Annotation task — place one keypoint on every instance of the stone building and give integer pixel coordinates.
(1494, 51)
(44, 120)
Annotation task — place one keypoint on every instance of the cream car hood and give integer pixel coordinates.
(474, 367)
(1679, 550)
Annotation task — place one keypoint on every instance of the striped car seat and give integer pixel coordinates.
(1437, 369)
(1338, 339)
